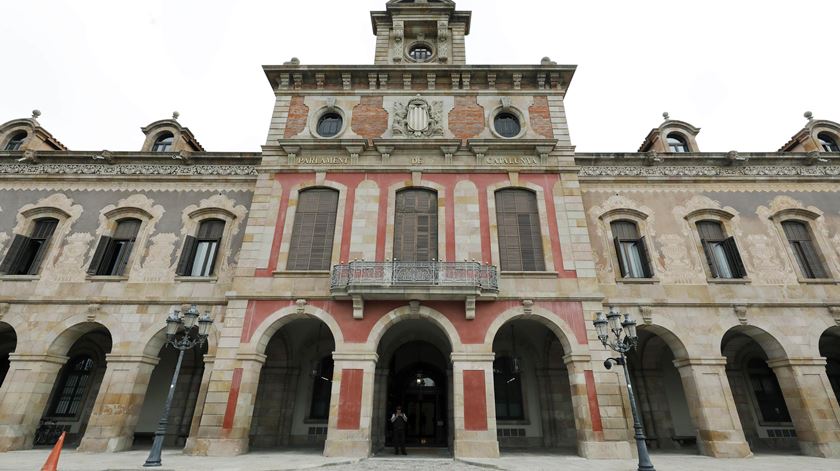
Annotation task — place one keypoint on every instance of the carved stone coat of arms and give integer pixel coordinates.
(418, 118)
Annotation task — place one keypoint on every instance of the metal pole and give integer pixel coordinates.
(641, 445)
(154, 455)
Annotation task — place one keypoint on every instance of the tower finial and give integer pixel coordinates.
(36, 114)
(809, 116)
(666, 115)
(176, 115)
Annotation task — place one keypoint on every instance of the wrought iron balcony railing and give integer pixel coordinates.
(361, 274)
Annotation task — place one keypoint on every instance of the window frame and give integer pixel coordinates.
(409, 48)
(828, 142)
(751, 393)
(731, 252)
(27, 219)
(641, 246)
(158, 140)
(433, 225)
(542, 263)
(293, 234)
(13, 140)
(811, 220)
(683, 143)
(727, 221)
(508, 361)
(639, 218)
(513, 111)
(189, 249)
(330, 107)
(65, 374)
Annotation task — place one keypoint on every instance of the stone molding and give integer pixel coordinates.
(355, 356)
(700, 361)
(111, 358)
(468, 357)
(19, 169)
(709, 171)
(46, 358)
(795, 362)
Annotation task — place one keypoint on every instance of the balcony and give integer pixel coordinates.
(414, 281)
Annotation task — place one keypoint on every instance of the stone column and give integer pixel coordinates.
(586, 405)
(118, 403)
(474, 403)
(228, 407)
(25, 393)
(351, 405)
(547, 417)
(199, 404)
(712, 407)
(811, 403)
(380, 398)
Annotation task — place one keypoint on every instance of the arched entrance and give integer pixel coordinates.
(8, 342)
(77, 385)
(293, 398)
(758, 396)
(660, 395)
(532, 390)
(414, 371)
(183, 403)
(830, 349)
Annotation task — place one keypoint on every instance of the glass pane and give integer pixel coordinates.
(632, 260)
(202, 250)
(722, 261)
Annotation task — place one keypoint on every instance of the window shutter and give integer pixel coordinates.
(812, 258)
(187, 254)
(647, 263)
(618, 254)
(125, 254)
(415, 226)
(12, 258)
(710, 231)
(710, 258)
(39, 258)
(313, 230)
(520, 238)
(734, 256)
(98, 255)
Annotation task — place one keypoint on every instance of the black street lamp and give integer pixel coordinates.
(183, 334)
(622, 344)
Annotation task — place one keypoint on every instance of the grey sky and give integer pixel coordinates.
(742, 70)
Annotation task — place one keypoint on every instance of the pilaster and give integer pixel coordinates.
(475, 406)
(351, 405)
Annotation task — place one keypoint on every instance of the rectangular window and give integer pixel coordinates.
(806, 253)
(112, 253)
(26, 253)
(198, 257)
(722, 253)
(520, 235)
(630, 250)
(313, 230)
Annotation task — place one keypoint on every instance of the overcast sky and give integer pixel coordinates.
(742, 70)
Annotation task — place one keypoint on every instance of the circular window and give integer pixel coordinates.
(330, 125)
(507, 125)
(420, 53)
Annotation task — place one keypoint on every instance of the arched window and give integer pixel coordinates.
(767, 392)
(27, 252)
(507, 384)
(16, 141)
(677, 143)
(330, 125)
(112, 253)
(631, 250)
(828, 143)
(70, 396)
(420, 53)
(164, 142)
(198, 258)
(416, 226)
(507, 125)
(520, 237)
(721, 252)
(314, 229)
(806, 253)
(319, 408)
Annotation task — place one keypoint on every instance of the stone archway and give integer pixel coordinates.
(660, 393)
(8, 343)
(830, 349)
(414, 370)
(292, 404)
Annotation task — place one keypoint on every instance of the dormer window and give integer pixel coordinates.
(677, 143)
(16, 141)
(827, 142)
(420, 53)
(164, 142)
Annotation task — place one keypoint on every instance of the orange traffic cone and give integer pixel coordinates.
(52, 460)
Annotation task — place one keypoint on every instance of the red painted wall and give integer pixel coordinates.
(475, 401)
(594, 407)
(233, 396)
(350, 400)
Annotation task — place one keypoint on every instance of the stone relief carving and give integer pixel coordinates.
(699, 203)
(4, 237)
(58, 201)
(418, 118)
(679, 267)
(136, 201)
(708, 171)
(70, 265)
(127, 169)
(226, 263)
(602, 257)
(768, 267)
(158, 266)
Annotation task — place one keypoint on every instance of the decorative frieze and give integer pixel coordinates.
(710, 171)
(18, 169)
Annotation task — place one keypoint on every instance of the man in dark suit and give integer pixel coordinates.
(399, 422)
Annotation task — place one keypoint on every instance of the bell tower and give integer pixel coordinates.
(420, 32)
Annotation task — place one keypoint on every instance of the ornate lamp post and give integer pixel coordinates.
(183, 334)
(622, 344)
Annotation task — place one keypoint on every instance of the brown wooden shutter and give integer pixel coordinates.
(13, 255)
(415, 226)
(44, 229)
(98, 255)
(211, 229)
(734, 256)
(647, 263)
(122, 262)
(711, 231)
(127, 229)
(520, 237)
(813, 260)
(313, 230)
(618, 253)
(807, 255)
(187, 254)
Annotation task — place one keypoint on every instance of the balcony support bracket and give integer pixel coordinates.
(469, 308)
(358, 308)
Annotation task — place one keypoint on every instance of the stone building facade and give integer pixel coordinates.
(421, 232)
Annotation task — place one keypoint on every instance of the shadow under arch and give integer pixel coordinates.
(405, 313)
(768, 343)
(8, 344)
(273, 323)
(552, 321)
(677, 347)
(64, 341)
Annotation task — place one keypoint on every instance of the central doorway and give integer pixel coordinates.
(416, 375)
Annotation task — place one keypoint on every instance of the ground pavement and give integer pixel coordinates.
(32, 460)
